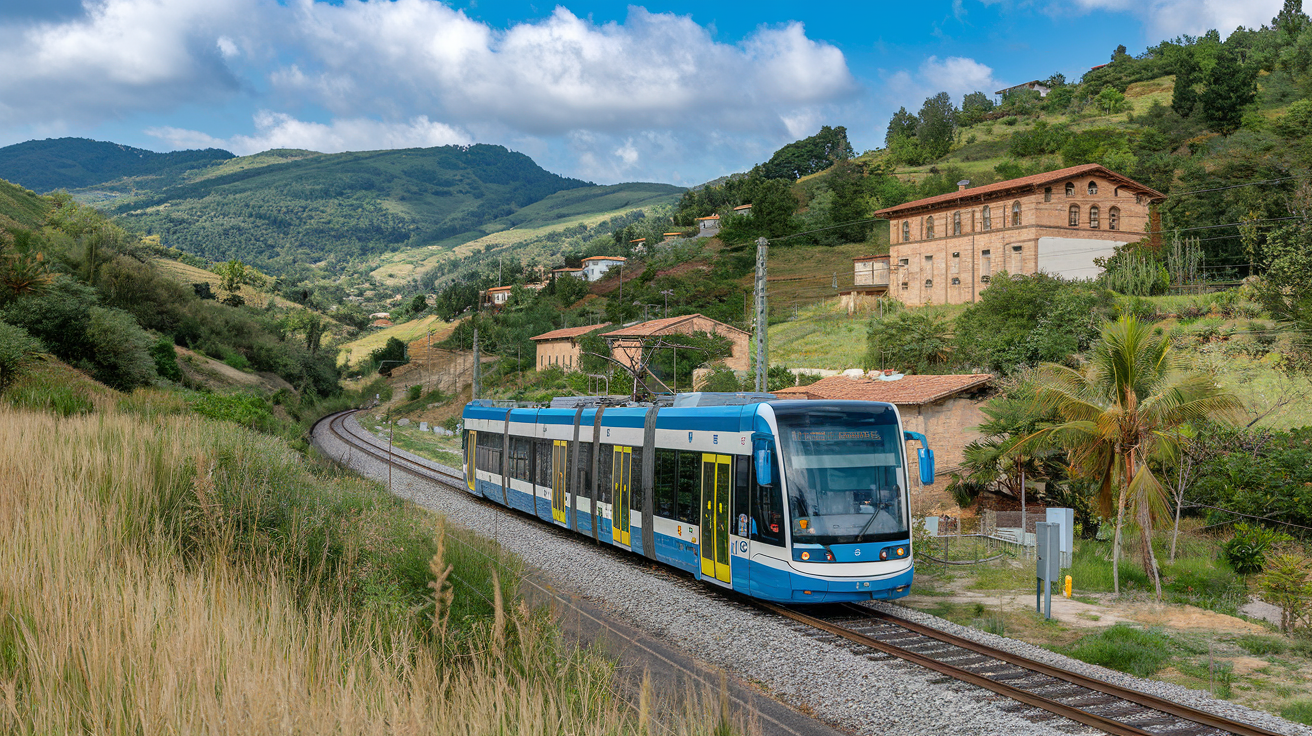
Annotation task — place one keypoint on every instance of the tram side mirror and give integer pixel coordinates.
(926, 458)
(764, 468)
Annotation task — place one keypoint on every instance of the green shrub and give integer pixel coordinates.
(414, 392)
(16, 348)
(166, 360)
(120, 349)
(245, 409)
(1246, 552)
(1127, 649)
(237, 360)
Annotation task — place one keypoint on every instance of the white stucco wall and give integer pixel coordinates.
(1072, 258)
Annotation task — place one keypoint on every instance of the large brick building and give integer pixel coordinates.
(561, 347)
(945, 249)
(626, 343)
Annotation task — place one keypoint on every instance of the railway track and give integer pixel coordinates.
(1100, 705)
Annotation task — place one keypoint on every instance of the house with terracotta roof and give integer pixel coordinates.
(708, 226)
(626, 343)
(594, 267)
(566, 271)
(496, 297)
(561, 347)
(946, 409)
(947, 248)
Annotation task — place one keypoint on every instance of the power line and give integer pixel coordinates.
(1236, 186)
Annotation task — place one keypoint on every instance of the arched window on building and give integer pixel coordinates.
(929, 228)
(1015, 214)
(1070, 189)
(1114, 218)
(906, 231)
(1093, 187)
(1074, 220)
(956, 223)
(987, 216)
(1093, 216)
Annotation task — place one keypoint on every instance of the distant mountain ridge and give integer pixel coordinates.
(73, 163)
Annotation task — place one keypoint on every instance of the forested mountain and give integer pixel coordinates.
(334, 209)
(71, 163)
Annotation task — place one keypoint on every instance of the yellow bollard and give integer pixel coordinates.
(1068, 586)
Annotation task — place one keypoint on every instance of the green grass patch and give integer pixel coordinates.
(1260, 646)
(1124, 648)
(1299, 711)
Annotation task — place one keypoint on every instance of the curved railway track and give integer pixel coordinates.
(1095, 703)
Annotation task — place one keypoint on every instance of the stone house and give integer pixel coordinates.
(626, 343)
(1035, 85)
(561, 347)
(945, 249)
(946, 409)
(708, 226)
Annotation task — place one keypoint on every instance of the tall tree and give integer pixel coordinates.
(1184, 97)
(901, 125)
(1230, 87)
(974, 107)
(936, 124)
(1119, 416)
(809, 155)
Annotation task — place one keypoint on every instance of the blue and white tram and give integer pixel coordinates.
(787, 501)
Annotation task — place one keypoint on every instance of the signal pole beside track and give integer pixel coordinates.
(762, 348)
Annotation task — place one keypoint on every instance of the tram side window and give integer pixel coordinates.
(635, 480)
(688, 488)
(667, 464)
(741, 489)
(768, 510)
(519, 458)
(585, 470)
(488, 454)
(543, 448)
(603, 473)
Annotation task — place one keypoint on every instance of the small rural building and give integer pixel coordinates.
(946, 248)
(561, 347)
(869, 282)
(946, 409)
(708, 226)
(1035, 85)
(626, 343)
(496, 297)
(594, 267)
(575, 272)
(743, 209)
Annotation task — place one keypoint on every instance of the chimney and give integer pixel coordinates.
(961, 185)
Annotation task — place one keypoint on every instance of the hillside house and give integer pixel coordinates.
(626, 343)
(946, 409)
(594, 267)
(1034, 85)
(946, 248)
(561, 347)
(870, 279)
(575, 272)
(743, 209)
(495, 297)
(708, 226)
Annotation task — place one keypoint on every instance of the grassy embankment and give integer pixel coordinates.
(1197, 638)
(161, 572)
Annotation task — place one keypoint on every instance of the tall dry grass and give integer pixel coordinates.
(178, 575)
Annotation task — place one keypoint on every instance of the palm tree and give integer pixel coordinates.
(1119, 414)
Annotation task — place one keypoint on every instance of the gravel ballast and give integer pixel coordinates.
(826, 680)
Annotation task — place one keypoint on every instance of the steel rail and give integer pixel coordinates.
(1075, 678)
(1074, 713)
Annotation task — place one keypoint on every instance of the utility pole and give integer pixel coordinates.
(762, 349)
(476, 364)
(667, 293)
(499, 270)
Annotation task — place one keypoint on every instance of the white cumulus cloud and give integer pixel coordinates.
(1169, 18)
(279, 130)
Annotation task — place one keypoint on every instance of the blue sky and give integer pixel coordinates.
(674, 91)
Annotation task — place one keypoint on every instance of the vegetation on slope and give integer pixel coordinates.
(71, 163)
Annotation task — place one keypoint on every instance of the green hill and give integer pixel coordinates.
(281, 210)
(22, 206)
(72, 163)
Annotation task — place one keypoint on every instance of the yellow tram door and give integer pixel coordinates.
(558, 498)
(717, 474)
(471, 446)
(621, 476)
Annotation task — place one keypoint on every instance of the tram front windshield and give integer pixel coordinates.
(842, 465)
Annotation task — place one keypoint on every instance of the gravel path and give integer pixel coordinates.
(837, 686)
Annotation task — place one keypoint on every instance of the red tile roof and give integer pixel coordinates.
(1011, 185)
(569, 332)
(605, 258)
(659, 326)
(911, 390)
(499, 288)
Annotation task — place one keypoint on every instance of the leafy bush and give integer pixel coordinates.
(414, 392)
(1287, 584)
(1127, 649)
(245, 409)
(120, 349)
(1246, 552)
(16, 347)
(914, 342)
(166, 360)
